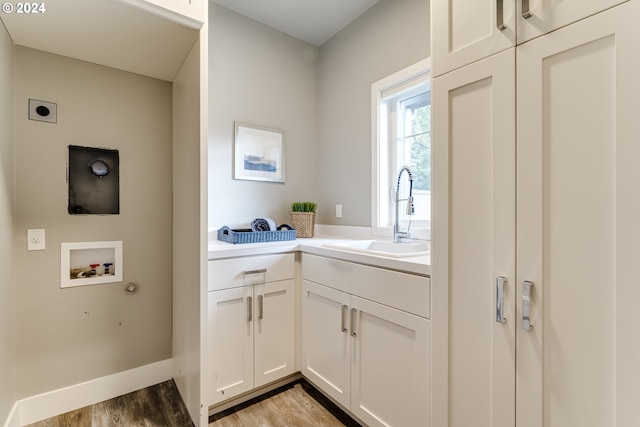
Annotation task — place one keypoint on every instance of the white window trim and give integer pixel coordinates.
(378, 169)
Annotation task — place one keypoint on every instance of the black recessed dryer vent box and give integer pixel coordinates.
(94, 181)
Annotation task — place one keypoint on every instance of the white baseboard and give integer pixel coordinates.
(56, 402)
(12, 420)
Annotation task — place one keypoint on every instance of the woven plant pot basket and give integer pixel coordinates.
(303, 222)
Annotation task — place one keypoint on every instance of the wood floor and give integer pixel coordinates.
(293, 407)
(156, 406)
(296, 405)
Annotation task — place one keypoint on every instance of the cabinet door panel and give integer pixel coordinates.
(549, 15)
(466, 31)
(230, 343)
(578, 225)
(474, 207)
(274, 331)
(325, 346)
(390, 366)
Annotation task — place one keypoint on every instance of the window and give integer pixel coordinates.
(401, 134)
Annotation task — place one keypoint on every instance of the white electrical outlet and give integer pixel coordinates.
(35, 239)
(338, 211)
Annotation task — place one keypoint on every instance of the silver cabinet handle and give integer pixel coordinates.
(354, 312)
(500, 280)
(343, 323)
(263, 270)
(500, 15)
(249, 309)
(526, 13)
(260, 307)
(526, 305)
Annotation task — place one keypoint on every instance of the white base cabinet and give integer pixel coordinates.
(371, 358)
(251, 323)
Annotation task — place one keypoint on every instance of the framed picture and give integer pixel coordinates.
(259, 153)
(90, 263)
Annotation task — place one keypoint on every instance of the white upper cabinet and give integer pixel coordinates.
(468, 30)
(538, 17)
(465, 31)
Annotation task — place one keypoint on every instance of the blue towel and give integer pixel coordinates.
(263, 224)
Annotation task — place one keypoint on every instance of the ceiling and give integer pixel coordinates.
(105, 32)
(314, 21)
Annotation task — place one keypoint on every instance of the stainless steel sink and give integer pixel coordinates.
(384, 248)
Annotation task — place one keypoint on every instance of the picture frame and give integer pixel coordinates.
(259, 153)
(90, 263)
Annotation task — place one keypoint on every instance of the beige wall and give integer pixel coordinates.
(66, 336)
(265, 77)
(390, 36)
(7, 286)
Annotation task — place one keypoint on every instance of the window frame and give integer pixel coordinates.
(380, 173)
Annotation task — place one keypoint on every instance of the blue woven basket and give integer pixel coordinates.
(248, 236)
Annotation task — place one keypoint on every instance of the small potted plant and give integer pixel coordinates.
(303, 217)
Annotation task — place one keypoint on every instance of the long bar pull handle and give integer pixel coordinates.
(248, 272)
(249, 309)
(500, 280)
(343, 323)
(500, 15)
(526, 305)
(260, 307)
(526, 13)
(354, 313)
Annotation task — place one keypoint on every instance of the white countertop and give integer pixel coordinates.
(315, 245)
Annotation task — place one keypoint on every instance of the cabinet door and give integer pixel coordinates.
(464, 31)
(326, 340)
(230, 343)
(390, 365)
(547, 15)
(474, 207)
(578, 224)
(274, 321)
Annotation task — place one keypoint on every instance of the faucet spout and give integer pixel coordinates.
(398, 235)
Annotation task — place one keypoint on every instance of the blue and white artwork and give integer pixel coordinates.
(260, 163)
(259, 153)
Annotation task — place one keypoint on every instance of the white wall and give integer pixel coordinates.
(264, 77)
(390, 36)
(66, 336)
(189, 238)
(7, 302)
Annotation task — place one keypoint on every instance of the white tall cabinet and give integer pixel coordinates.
(474, 168)
(536, 210)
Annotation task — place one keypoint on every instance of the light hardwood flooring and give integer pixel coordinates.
(161, 406)
(156, 406)
(293, 407)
